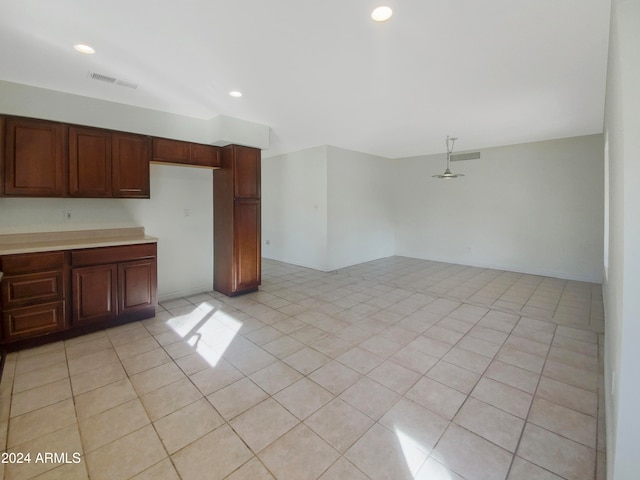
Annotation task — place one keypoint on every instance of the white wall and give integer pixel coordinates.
(534, 208)
(185, 247)
(180, 214)
(294, 208)
(27, 101)
(326, 208)
(37, 102)
(360, 223)
(622, 284)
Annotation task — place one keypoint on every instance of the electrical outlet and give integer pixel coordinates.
(67, 215)
(187, 212)
(267, 242)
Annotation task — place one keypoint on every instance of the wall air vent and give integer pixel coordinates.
(465, 156)
(107, 79)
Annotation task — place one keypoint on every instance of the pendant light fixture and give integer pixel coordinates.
(447, 173)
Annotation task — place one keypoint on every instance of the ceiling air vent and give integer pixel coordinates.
(107, 79)
(124, 83)
(465, 156)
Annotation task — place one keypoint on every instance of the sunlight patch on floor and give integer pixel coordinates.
(209, 332)
(415, 455)
(412, 450)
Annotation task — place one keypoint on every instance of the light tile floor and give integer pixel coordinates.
(393, 369)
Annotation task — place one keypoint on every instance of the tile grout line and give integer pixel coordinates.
(526, 420)
(462, 301)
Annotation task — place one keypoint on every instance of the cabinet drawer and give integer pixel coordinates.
(32, 262)
(32, 288)
(32, 321)
(104, 255)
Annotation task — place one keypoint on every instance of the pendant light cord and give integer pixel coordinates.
(449, 150)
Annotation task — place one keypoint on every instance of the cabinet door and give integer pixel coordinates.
(246, 174)
(130, 165)
(247, 245)
(170, 151)
(204, 155)
(34, 158)
(94, 294)
(177, 151)
(136, 285)
(89, 162)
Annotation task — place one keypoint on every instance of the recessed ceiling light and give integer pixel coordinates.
(382, 13)
(235, 93)
(84, 49)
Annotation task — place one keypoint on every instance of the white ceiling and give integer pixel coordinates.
(491, 72)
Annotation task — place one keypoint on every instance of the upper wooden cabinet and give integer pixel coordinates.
(245, 163)
(34, 158)
(130, 165)
(103, 163)
(176, 151)
(52, 159)
(89, 162)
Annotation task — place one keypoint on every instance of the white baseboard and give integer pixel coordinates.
(165, 296)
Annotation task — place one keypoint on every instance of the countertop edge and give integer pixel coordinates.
(52, 246)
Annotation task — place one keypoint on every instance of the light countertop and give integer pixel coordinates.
(13, 243)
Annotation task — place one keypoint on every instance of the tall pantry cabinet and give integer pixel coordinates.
(236, 221)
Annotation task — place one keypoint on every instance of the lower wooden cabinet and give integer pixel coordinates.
(34, 295)
(136, 286)
(71, 292)
(247, 256)
(113, 282)
(33, 288)
(36, 320)
(94, 293)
